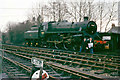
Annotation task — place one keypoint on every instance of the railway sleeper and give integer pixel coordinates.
(87, 69)
(105, 70)
(114, 74)
(110, 66)
(74, 65)
(91, 63)
(61, 61)
(98, 58)
(66, 74)
(100, 64)
(96, 68)
(69, 64)
(100, 67)
(51, 72)
(14, 72)
(20, 74)
(99, 72)
(55, 75)
(79, 74)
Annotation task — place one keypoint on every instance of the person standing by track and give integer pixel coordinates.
(83, 46)
(90, 45)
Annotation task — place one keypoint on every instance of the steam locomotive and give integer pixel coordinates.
(60, 35)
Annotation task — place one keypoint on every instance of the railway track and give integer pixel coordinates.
(67, 64)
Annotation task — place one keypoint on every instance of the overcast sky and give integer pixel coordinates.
(17, 10)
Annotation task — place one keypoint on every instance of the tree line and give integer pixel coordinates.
(15, 33)
(100, 12)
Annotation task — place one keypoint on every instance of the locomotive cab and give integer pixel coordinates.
(42, 29)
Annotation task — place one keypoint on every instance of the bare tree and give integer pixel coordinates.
(80, 9)
(111, 15)
(101, 12)
(57, 10)
(101, 7)
(73, 11)
(37, 15)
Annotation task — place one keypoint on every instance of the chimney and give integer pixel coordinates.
(86, 18)
(113, 25)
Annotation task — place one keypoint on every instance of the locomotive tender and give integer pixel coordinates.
(60, 35)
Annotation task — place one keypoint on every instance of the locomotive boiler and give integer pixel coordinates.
(60, 35)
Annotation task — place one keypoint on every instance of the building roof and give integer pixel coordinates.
(115, 30)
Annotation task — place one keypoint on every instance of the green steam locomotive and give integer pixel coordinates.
(60, 35)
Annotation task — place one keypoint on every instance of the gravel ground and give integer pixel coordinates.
(2, 75)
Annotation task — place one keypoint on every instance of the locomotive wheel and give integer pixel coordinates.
(33, 44)
(44, 45)
(60, 46)
(51, 45)
(26, 43)
(64, 46)
(68, 46)
(29, 42)
(56, 46)
(75, 48)
(48, 45)
(36, 44)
